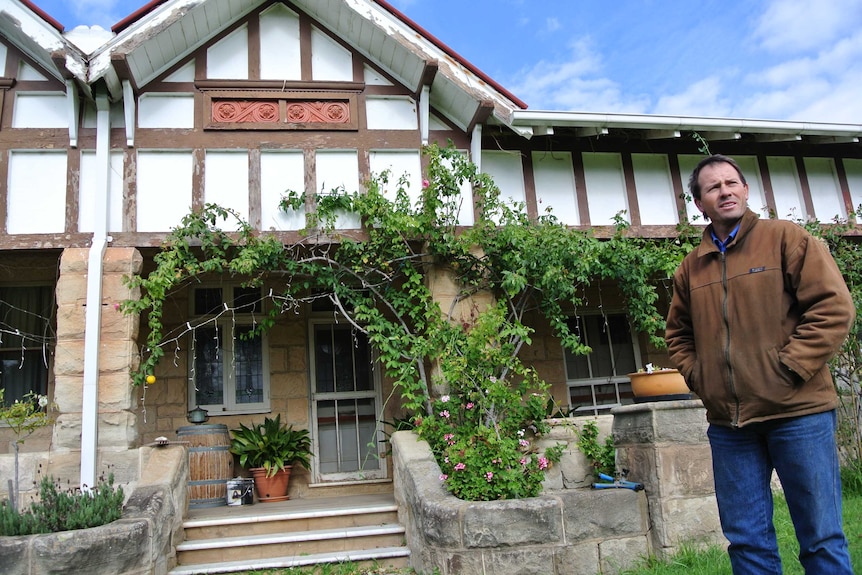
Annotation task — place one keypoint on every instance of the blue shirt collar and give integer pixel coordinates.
(722, 245)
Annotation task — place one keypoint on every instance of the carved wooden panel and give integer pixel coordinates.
(280, 111)
(320, 112)
(244, 111)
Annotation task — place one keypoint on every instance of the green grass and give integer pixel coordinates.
(714, 560)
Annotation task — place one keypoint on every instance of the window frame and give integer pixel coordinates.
(620, 382)
(227, 322)
(318, 318)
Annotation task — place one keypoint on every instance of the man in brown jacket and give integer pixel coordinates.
(758, 310)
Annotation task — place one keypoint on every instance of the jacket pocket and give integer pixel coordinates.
(782, 373)
(694, 378)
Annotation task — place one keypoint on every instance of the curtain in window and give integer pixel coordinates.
(25, 324)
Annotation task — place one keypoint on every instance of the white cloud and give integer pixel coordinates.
(799, 25)
(813, 76)
(552, 24)
(703, 98)
(104, 13)
(822, 87)
(573, 84)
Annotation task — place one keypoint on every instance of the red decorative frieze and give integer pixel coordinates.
(318, 112)
(271, 110)
(243, 111)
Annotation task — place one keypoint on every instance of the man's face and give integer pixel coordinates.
(723, 196)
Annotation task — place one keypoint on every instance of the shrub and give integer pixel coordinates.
(482, 432)
(602, 456)
(64, 510)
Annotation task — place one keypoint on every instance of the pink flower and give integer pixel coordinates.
(460, 467)
(489, 476)
(543, 463)
(425, 183)
(444, 398)
(443, 477)
(445, 413)
(523, 443)
(523, 461)
(470, 405)
(449, 438)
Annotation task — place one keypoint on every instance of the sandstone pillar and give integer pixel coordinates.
(664, 446)
(118, 352)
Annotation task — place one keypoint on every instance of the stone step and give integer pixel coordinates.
(295, 544)
(361, 529)
(290, 524)
(395, 557)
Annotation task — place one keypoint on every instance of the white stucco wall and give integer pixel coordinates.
(36, 194)
(164, 189)
(655, 194)
(89, 182)
(606, 189)
(554, 176)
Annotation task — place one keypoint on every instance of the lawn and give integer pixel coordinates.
(714, 561)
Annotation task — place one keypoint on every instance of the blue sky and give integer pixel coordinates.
(767, 59)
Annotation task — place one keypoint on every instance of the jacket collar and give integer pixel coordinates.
(747, 222)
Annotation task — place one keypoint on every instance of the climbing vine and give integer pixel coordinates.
(505, 266)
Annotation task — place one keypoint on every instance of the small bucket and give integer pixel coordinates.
(240, 491)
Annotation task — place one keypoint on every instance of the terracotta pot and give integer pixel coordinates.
(658, 383)
(271, 489)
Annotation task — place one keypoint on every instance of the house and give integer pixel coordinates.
(108, 140)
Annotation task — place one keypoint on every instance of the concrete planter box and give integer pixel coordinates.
(141, 542)
(563, 531)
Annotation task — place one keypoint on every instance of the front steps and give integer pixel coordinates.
(360, 529)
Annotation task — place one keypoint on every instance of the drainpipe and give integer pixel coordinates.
(90, 413)
(476, 146)
(425, 113)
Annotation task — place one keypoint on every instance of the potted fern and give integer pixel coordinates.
(269, 450)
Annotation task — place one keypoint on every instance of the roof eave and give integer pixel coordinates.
(529, 122)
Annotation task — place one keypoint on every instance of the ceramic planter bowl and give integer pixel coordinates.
(662, 382)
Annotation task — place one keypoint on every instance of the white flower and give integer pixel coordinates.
(649, 368)
(43, 401)
(444, 398)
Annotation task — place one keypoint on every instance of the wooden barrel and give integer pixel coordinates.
(210, 463)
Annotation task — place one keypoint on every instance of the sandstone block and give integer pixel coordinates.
(578, 559)
(74, 260)
(122, 261)
(512, 522)
(621, 554)
(603, 513)
(68, 390)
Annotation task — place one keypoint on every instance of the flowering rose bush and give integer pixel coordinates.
(483, 431)
(481, 461)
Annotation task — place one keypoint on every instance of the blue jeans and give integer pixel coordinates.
(803, 452)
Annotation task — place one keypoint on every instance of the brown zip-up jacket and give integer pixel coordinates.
(752, 329)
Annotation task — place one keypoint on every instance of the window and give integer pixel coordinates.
(228, 366)
(25, 331)
(598, 381)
